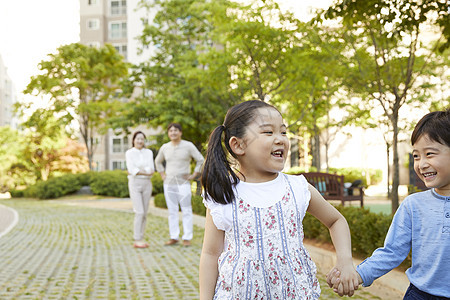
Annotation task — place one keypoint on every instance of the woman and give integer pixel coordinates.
(140, 170)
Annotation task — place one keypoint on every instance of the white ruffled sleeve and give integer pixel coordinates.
(301, 191)
(220, 213)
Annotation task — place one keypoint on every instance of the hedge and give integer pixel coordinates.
(53, 188)
(110, 183)
(157, 184)
(160, 201)
(368, 230)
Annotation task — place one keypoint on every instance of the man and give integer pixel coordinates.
(177, 155)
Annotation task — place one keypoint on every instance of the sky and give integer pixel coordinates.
(31, 29)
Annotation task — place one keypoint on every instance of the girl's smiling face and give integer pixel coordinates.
(432, 164)
(265, 146)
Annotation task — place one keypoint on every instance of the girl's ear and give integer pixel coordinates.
(237, 145)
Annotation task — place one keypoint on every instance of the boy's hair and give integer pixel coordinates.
(218, 177)
(134, 137)
(436, 125)
(176, 125)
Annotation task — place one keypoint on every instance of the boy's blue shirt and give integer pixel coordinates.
(422, 225)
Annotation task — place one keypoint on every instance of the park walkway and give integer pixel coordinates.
(82, 249)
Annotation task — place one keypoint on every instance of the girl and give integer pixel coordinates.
(253, 242)
(140, 170)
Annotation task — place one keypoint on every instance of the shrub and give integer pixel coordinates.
(297, 170)
(160, 201)
(54, 187)
(86, 178)
(17, 193)
(352, 174)
(197, 205)
(157, 184)
(110, 183)
(368, 230)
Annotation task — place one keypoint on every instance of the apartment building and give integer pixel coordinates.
(116, 22)
(7, 97)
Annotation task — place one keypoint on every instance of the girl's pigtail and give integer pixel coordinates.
(218, 177)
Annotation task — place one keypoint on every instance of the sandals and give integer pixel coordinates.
(140, 244)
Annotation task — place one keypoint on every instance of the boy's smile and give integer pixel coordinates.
(432, 164)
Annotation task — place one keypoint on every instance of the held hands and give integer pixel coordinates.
(344, 280)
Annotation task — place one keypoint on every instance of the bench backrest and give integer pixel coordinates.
(331, 186)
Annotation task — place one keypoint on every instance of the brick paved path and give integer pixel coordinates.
(66, 252)
(60, 251)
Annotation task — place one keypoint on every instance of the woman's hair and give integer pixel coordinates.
(436, 125)
(135, 135)
(176, 125)
(218, 177)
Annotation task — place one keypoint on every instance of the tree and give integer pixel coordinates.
(10, 143)
(82, 83)
(177, 84)
(389, 56)
(209, 56)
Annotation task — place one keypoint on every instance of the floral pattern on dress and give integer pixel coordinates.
(265, 257)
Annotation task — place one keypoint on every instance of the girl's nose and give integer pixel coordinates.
(279, 139)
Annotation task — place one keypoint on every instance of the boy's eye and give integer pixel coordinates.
(268, 132)
(429, 153)
(415, 156)
(283, 132)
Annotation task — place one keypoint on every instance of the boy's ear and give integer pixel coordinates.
(237, 145)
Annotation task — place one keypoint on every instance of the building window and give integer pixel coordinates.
(92, 2)
(118, 30)
(119, 165)
(93, 24)
(122, 49)
(118, 7)
(119, 145)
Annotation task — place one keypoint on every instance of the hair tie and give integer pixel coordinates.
(223, 127)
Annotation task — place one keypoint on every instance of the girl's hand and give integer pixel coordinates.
(344, 280)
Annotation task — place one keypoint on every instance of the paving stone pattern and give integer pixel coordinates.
(58, 251)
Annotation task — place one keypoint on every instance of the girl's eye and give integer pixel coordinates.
(283, 133)
(415, 156)
(267, 132)
(429, 153)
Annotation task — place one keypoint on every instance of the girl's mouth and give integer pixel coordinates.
(278, 153)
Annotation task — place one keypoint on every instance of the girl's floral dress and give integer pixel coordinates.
(264, 256)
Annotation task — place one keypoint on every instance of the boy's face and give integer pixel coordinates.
(432, 164)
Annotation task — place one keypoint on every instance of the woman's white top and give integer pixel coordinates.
(139, 160)
(261, 195)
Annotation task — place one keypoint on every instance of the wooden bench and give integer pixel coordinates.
(331, 186)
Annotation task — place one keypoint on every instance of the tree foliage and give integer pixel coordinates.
(209, 56)
(82, 83)
(10, 143)
(389, 56)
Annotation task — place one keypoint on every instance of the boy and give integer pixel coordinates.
(422, 222)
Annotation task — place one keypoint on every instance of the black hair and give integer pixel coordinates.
(218, 177)
(176, 125)
(436, 125)
(134, 137)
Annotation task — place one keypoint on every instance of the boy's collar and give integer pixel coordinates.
(435, 194)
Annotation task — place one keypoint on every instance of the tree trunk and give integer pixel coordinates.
(315, 147)
(388, 155)
(294, 152)
(396, 174)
